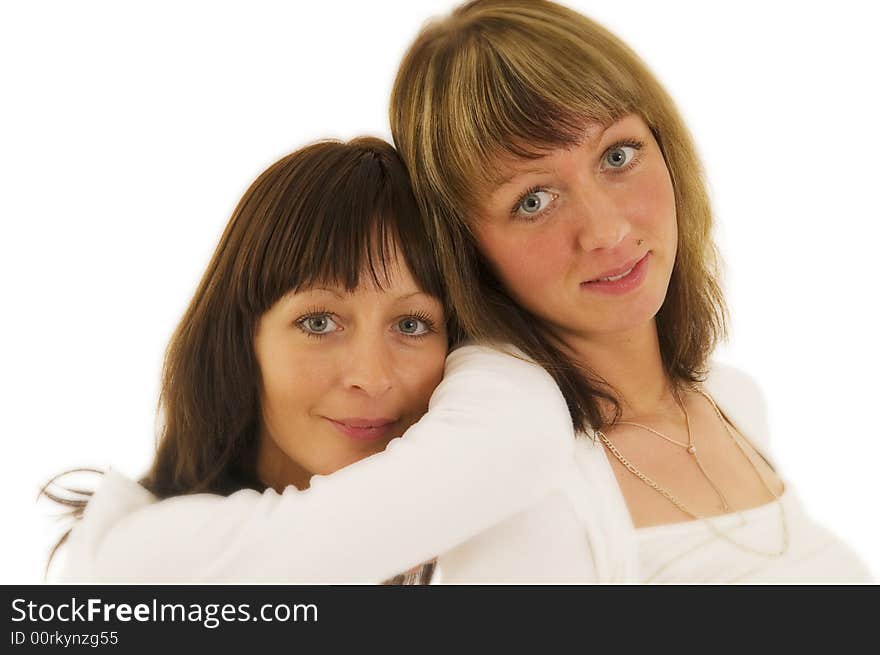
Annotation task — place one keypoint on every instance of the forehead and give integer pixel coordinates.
(508, 166)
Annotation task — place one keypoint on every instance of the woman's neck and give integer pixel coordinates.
(631, 364)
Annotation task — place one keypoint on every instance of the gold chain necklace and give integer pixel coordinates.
(690, 447)
(706, 520)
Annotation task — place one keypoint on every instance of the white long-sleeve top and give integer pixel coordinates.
(492, 480)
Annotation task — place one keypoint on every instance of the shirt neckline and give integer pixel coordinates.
(722, 521)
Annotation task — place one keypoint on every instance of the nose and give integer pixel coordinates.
(367, 366)
(601, 223)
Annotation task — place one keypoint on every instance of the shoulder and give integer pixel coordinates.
(741, 398)
(127, 533)
(497, 360)
(497, 353)
(734, 385)
(118, 498)
(502, 398)
(115, 498)
(499, 373)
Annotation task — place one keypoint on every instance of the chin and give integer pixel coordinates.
(358, 453)
(631, 318)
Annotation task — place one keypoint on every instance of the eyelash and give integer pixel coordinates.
(632, 143)
(427, 320)
(313, 313)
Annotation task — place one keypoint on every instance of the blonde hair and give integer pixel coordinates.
(521, 78)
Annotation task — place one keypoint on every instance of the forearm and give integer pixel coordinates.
(491, 444)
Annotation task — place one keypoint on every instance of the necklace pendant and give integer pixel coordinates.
(692, 450)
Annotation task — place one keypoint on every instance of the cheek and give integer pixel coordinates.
(651, 204)
(522, 260)
(293, 383)
(420, 373)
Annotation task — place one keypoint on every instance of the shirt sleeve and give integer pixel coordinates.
(495, 436)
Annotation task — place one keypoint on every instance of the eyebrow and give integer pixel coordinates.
(415, 293)
(504, 181)
(592, 133)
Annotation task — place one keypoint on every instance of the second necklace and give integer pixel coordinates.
(690, 447)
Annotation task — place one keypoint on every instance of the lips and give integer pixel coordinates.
(364, 429)
(364, 422)
(620, 280)
(618, 271)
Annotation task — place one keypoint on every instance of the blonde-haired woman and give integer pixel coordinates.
(573, 222)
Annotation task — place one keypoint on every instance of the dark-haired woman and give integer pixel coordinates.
(317, 338)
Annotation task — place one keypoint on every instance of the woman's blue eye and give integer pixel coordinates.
(534, 202)
(318, 324)
(413, 326)
(620, 156)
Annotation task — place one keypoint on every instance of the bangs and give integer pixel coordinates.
(504, 86)
(329, 215)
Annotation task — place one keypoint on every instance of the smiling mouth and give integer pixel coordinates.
(364, 429)
(619, 274)
(622, 281)
(614, 278)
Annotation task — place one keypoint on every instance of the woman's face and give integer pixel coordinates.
(344, 373)
(554, 226)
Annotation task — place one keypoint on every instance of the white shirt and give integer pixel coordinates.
(491, 480)
(692, 552)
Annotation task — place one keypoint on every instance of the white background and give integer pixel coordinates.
(129, 131)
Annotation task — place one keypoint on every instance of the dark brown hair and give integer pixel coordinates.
(321, 215)
(522, 77)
